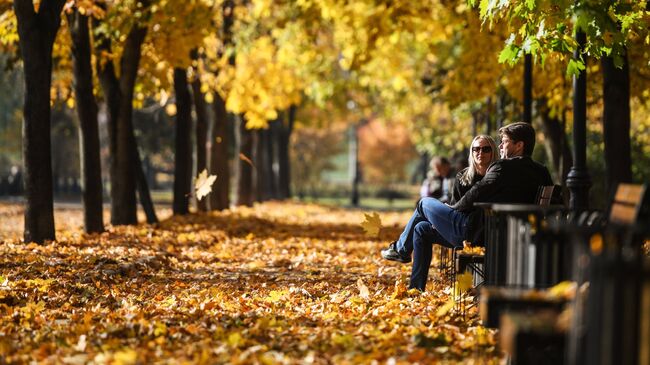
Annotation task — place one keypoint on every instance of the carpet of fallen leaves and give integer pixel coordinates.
(277, 283)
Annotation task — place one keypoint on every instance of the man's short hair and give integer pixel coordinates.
(520, 132)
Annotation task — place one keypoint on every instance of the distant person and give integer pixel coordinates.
(515, 179)
(439, 180)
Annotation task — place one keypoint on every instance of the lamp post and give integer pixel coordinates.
(578, 180)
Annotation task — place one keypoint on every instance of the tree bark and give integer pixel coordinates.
(37, 32)
(616, 122)
(201, 133)
(557, 142)
(284, 165)
(142, 184)
(272, 180)
(263, 161)
(91, 179)
(245, 189)
(183, 151)
(119, 98)
(218, 158)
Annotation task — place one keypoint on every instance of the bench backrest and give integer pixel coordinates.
(630, 205)
(549, 194)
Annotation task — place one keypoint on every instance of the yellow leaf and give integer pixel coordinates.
(234, 339)
(372, 224)
(125, 357)
(203, 184)
(464, 282)
(445, 308)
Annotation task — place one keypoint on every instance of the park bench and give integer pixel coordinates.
(494, 232)
(609, 324)
(612, 324)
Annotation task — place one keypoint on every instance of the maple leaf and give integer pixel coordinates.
(372, 224)
(364, 293)
(203, 184)
(464, 282)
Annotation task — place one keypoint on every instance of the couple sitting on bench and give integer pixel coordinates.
(514, 178)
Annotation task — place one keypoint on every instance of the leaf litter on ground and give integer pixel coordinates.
(276, 283)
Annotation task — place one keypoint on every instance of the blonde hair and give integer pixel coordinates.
(472, 169)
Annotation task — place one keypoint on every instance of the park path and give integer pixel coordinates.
(276, 283)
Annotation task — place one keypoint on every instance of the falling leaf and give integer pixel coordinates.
(203, 184)
(364, 293)
(465, 281)
(246, 159)
(372, 224)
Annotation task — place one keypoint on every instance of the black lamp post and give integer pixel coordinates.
(528, 89)
(578, 181)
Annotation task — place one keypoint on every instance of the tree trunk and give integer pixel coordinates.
(119, 99)
(91, 179)
(263, 160)
(183, 150)
(143, 185)
(557, 142)
(284, 165)
(272, 180)
(201, 133)
(37, 32)
(218, 158)
(616, 122)
(245, 177)
(112, 96)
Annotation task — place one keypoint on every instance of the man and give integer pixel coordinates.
(513, 179)
(439, 180)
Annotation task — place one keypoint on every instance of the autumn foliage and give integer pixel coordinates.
(277, 283)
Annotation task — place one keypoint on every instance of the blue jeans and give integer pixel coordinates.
(432, 222)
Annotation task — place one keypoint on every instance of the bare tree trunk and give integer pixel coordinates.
(201, 132)
(284, 165)
(218, 161)
(263, 161)
(245, 189)
(143, 185)
(557, 141)
(37, 32)
(616, 122)
(119, 99)
(272, 180)
(91, 179)
(183, 151)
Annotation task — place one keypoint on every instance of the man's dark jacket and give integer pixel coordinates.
(511, 180)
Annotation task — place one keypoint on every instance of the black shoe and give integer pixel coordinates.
(391, 254)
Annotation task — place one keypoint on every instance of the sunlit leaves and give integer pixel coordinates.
(318, 290)
(609, 25)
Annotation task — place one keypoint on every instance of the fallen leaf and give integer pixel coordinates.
(363, 290)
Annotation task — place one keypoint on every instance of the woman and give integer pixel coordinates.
(420, 236)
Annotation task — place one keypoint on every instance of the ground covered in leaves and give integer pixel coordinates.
(277, 283)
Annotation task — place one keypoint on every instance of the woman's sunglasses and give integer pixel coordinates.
(484, 149)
